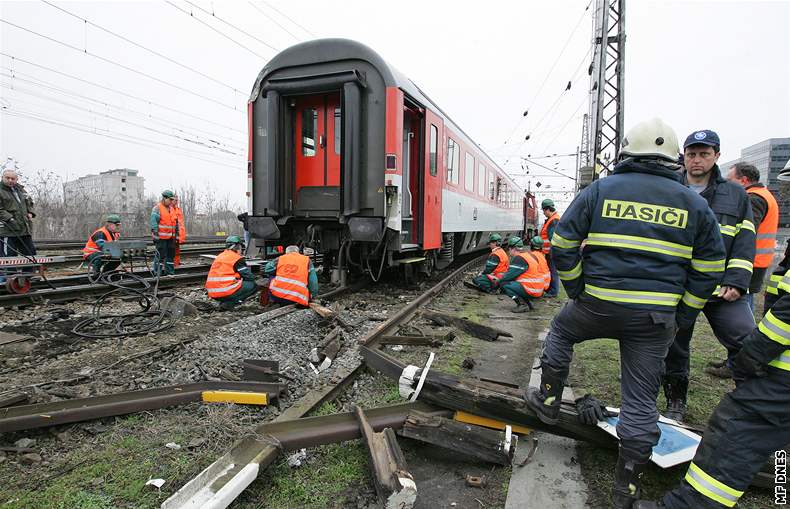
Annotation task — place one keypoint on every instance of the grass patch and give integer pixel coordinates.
(595, 368)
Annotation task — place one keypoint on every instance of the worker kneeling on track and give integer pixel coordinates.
(639, 276)
(230, 281)
(524, 279)
(496, 265)
(751, 422)
(543, 264)
(92, 252)
(293, 278)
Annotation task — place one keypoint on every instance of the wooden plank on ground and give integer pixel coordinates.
(475, 329)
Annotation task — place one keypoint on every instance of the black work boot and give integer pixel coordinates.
(627, 485)
(521, 306)
(545, 400)
(675, 390)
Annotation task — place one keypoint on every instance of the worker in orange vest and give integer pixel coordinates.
(546, 232)
(92, 252)
(230, 280)
(766, 215)
(293, 279)
(524, 280)
(182, 231)
(496, 265)
(164, 230)
(536, 243)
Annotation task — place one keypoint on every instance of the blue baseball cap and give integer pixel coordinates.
(704, 137)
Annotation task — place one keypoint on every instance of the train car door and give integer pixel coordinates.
(318, 142)
(433, 176)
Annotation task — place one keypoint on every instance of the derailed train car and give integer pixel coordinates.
(350, 157)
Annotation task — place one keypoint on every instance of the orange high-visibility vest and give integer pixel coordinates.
(167, 223)
(544, 232)
(543, 265)
(531, 280)
(92, 247)
(182, 231)
(223, 280)
(766, 231)
(290, 281)
(504, 261)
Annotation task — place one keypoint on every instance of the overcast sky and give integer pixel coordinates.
(718, 65)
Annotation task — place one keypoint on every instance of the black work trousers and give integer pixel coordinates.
(644, 337)
(165, 255)
(746, 428)
(731, 323)
(21, 245)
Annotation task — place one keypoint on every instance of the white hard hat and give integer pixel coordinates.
(651, 138)
(784, 173)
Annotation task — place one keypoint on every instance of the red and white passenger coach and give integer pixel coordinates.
(350, 157)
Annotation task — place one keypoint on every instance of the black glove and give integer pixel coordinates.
(745, 366)
(590, 410)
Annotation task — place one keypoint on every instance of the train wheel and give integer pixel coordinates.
(19, 284)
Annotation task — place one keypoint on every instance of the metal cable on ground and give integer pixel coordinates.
(126, 286)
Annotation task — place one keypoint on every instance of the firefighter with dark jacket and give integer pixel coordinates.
(653, 254)
(751, 422)
(496, 265)
(726, 308)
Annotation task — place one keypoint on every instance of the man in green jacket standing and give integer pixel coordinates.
(16, 217)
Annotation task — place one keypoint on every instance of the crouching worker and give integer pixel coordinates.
(496, 265)
(230, 281)
(92, 252)
(293, 279)
(524, 279)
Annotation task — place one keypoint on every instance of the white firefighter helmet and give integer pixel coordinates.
(651, 139)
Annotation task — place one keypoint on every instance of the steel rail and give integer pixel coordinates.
(185, 251)
(82, 278)
(221, 482)
(58, 244)
(75, 410)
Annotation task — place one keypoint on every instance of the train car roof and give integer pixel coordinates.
(324, 50)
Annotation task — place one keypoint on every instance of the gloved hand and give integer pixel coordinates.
(494, 280)
(745, 366)
(591, 410)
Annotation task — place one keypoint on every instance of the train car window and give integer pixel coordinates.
(309, 128)
(491, 186)
(481, 180)
(337, 130)
(453, 160)
(469, 172)
(433, 151)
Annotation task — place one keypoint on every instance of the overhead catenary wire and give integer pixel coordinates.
(15, 58)
(122, 66)
(220, 32)
(551, 69)
(138, 45)
(251, 36)
(281, 13)
(186, 130)
(273, 20)
(9, 110)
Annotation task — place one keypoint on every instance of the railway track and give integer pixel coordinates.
(57, 244)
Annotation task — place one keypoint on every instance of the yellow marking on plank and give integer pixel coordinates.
(242, 398)
(486, 422)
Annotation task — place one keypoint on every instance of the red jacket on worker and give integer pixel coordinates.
(92, 247)
(223, 280)
(290, 280)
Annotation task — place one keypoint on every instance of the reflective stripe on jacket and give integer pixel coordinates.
(223, 280)
(544, 231)
(92, 247)
(543, 265)
(532, 279)
(290, 281)
(504, 261)
(167, 223)
(766, 230)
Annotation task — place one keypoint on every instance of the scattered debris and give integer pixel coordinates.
(156, 483)
(24, 443)
(475, 329)
(468, 363)
(434, 340)
(396, 348)
(475, 481)
(195, 443)
(13, 399)
(30, 458)
(296, 459)
(482, 443)
(262, 370)
(173, 445)
(328, 314)
(321, 356)
(395, 486)
(238, 397)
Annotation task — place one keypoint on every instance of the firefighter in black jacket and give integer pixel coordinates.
(727, 309)
(652, 255)
(750, 423)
